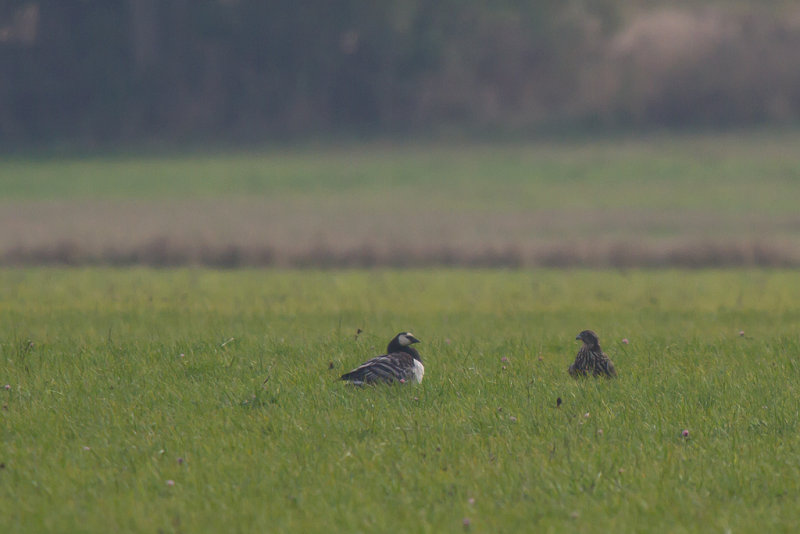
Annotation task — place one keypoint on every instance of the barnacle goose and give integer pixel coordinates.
(401, 363)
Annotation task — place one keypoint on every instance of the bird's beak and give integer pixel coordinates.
(578, 337)
(412, 339)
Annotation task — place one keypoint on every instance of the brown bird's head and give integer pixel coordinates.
(589, 337)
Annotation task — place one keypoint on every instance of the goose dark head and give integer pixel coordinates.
(402, 343)
(403, 339)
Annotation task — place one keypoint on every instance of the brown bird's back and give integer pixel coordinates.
(591, 358)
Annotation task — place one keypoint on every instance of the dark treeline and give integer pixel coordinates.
(94, 71)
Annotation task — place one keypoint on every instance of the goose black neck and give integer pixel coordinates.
(395, 346)
(413, 352)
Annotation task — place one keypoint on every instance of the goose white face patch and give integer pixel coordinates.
(404, 340)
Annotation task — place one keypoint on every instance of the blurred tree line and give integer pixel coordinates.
(121, 70)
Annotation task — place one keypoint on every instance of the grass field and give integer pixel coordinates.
(658, 200)
(202, 401)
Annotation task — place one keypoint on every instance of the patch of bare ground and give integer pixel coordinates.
(240, 233)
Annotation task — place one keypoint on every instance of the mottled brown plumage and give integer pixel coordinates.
(591, 359)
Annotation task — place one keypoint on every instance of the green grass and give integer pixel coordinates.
(732, 173)
(93, 359)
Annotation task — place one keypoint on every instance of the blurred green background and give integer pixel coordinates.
(88, 73)
(399, 133)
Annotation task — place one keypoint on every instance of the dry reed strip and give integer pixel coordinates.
(280, 233)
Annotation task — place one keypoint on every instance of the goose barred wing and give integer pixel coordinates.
(387, 368)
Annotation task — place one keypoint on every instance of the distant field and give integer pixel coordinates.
(202, 401)
(692, 200)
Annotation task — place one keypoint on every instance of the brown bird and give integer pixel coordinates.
(590, 358)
